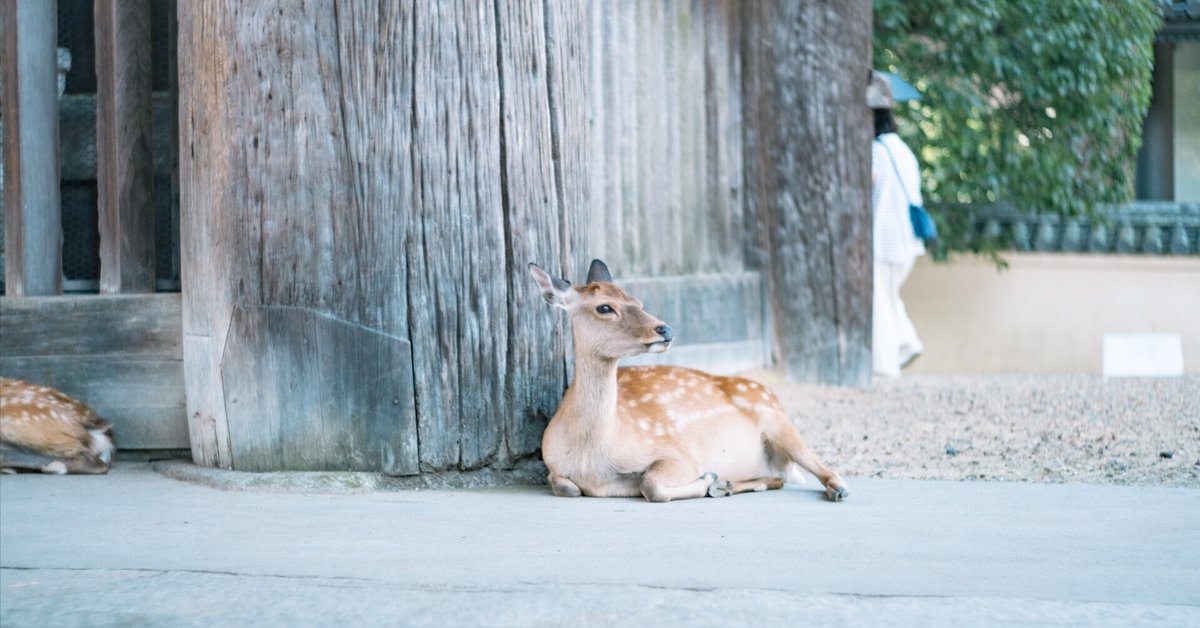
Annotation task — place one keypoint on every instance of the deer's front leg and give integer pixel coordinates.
(563, 487)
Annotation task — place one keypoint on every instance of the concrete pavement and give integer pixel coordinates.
(137, 548)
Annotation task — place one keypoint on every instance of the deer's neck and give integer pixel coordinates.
(591, 399)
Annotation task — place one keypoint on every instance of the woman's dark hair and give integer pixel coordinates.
(885, 121)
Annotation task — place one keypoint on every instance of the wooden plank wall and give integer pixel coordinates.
(120, 354)
(665, 209)
(666, 161)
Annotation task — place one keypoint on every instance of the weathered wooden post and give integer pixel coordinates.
(808, 183)
(362, 184)
(124, 155)
(33, 228)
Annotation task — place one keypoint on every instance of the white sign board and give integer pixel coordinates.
(1143, 355)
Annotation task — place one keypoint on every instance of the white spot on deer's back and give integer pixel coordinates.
(643, 424)
(741, 387)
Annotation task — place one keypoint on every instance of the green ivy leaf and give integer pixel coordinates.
(989, 70)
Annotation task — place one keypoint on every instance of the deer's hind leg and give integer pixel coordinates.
(724, 489)
(785, 439)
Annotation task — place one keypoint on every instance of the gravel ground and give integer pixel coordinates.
(1026, 428)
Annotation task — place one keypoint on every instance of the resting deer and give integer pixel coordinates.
(41, 429)
(661, 432)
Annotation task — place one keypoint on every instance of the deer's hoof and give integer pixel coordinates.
(836, 494)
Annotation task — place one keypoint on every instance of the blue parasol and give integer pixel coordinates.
(901, 89)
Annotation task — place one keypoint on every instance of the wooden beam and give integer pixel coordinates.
(33, 227)
(120, 354)
(124, 156)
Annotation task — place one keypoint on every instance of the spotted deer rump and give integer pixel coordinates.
(40, 426)
(672, 407)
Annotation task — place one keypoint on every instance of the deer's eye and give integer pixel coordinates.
(604, 308)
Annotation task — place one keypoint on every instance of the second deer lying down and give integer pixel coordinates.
(660, 432)
(42, 429)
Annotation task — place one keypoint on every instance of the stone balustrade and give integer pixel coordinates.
(1148, 228)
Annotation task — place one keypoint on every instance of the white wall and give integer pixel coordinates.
(1048, 313)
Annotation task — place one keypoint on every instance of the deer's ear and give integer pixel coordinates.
(555, 291)
(598, 272)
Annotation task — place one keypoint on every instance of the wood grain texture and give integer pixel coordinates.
(459, 329)
(124, 154)
(568, 42)
(32, 227)
(92, 325)
(207, 215)
(119, 354)
(807, 171)
(665, 162)
(308, 391)
(545, 191)
(355, 170)
(207, 423)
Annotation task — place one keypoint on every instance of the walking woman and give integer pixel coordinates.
(895, 184)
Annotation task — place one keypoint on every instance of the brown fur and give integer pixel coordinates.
(39, 423)
(660, 432)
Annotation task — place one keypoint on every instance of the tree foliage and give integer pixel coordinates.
(1031, 103)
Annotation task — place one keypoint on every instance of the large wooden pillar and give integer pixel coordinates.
(807, 174)
(33, 226)
(362, 185)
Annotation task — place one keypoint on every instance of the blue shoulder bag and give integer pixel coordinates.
(922, 223)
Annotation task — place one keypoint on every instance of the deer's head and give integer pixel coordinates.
(606, 322)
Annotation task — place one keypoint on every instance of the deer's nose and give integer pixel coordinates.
(665, 332)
